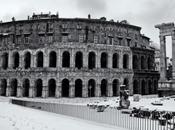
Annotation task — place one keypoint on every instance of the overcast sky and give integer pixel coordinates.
(143, 13)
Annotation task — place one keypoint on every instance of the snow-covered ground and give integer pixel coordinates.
(13, 117)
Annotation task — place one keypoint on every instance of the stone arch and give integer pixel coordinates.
(51, 87)
(126, 83)
(115, 60)
(143, 83)
(104, 60)
(126, 61)
(91, 60)
(135, 87)
(26, 87)
(3, 87)
(104, 90)
(79, 60)
(91, 88)
(66, 59)
(38, 87)
(27, 60)
(65, 88)
(15, 59)
(78, 88)
(135, 62)
(52, 59)
(142, 62)
(4, 59)
(115, 87)
(40, 59)
(14, 86)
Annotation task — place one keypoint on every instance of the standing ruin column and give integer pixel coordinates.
(163, 64)
(173, 54)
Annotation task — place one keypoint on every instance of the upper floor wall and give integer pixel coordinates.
(41, 32)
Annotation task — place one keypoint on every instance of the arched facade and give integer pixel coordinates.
(40, 59)
(38, 87)
(115, 87)
(4, 60)
(73, 55)
(79, 60)
(78, 88)
(65, 88)
(13, 87)
(26, 87)
(104, 90)
(104, 60)
(125, 61)
(91, 60)
(91, 88)
(115, 60)
(66, 59)
(27, 60)
(52, 88)
(52, 59)
(15, 59)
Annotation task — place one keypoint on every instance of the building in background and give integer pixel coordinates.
(48, 56)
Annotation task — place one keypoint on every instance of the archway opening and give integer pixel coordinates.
(78, 88)
(91, 88)
(104, 60)
(26, 87)
(15, 60)
(13, 86)
(5, 60)
(40, 59)
(3, 87)
(79, 60)
(115, 61)
(39, 87)
(91, 60)
(155, 86)
(27, 60)
(125, 61)
(66, 59)
(150, 89)
(115, 87)
(135, 87)
(52, 59)
(104, 90)
(135, 62)
(143, 87)
(52, 87)
(142, 62)
(126, 83)
(65, 88)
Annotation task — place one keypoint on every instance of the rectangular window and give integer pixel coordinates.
(64, 38)
(120, 41)
(50, 38)
(26, 39)
(81, 38)
(96, 39)
(110, 40)
(41, 38)
(128, 42)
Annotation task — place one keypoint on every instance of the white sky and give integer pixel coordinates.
(143, 13)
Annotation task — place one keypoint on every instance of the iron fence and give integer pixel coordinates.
(111, 116)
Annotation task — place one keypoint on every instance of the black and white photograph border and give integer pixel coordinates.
(87, 64)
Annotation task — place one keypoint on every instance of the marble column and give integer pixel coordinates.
(163, 64)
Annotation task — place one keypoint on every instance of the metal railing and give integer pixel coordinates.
(111, 116)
